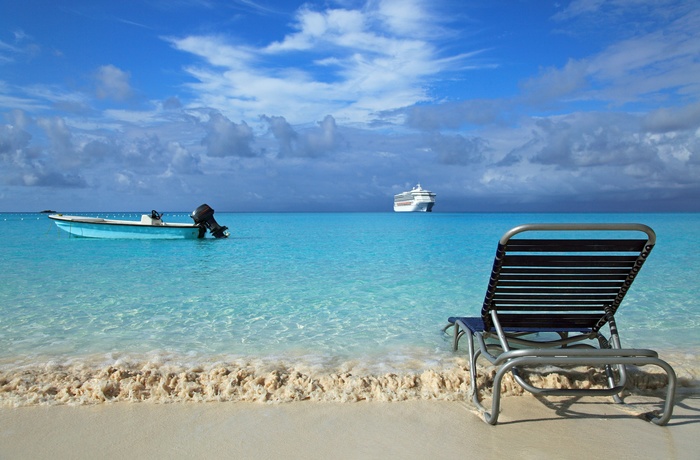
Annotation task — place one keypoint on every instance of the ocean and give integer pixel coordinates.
(326, 306)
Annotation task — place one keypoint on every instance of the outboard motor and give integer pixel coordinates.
(204, 217)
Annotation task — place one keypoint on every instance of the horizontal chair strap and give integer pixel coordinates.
(557, 292)
(575, 245)
(568, 261)
(576, 355)
(558, 272)
(500, 303)
(520, 283)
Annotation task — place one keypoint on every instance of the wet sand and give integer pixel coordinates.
(528, 428)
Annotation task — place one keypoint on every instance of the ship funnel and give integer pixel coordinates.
(204, 217)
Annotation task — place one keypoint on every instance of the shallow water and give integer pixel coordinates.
(315, 293)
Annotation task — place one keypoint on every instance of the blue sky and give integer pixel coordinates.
(271, 105)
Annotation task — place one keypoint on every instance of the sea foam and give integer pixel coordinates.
(80, 383)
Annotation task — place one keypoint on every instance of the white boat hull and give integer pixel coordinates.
(86, 227)
(413, 207)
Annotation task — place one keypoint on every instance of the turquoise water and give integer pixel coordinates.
(323, 289)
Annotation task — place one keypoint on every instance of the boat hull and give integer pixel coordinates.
(103, 228)
(414, 207)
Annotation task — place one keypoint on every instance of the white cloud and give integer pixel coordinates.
(351, 63)
(40, 98)
(336, 26)
(407, 17)
(651, 66)
(14, 102)
(182, 161)
(225, 138)
(311, 143)
(674, 119)
(113, 83)
(552, 85)
(216, 50)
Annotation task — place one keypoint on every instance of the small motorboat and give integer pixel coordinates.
(149, 227)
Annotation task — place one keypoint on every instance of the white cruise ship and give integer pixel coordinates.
(416, 200)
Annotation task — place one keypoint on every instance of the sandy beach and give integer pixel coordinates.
(528, 428)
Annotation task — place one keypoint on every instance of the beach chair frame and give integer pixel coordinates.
(564, 285)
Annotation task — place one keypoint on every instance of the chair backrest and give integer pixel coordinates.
(561, 282)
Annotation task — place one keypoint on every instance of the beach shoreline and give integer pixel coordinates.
(81, 383)
(529, 427)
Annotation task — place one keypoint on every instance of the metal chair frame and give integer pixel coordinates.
(565, 286)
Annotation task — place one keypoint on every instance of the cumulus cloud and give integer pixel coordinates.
(673, 119)
(589, 140)
(60, 139)
(144, 153)
(225, 138)
(14, 139)
(283, 132)
(310, 143)
(324, 139)
(182, 161)
(113, 83)
(53, 179)
(98, 150)
(457, 149)
(29, 165)
(592, 155)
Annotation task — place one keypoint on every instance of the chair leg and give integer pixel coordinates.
(455, 337)
(492, 417)
(611, 383)
(663, 418)
(604, 343)
(474, 374)
(472, 366)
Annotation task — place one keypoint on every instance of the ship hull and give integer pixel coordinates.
(414, 207)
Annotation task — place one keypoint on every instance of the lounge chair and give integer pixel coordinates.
(565, 288)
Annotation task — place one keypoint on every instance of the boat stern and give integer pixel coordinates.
(204, 217)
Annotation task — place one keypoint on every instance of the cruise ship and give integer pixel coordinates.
(416, 200)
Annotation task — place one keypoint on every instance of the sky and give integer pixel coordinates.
(322, 106)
